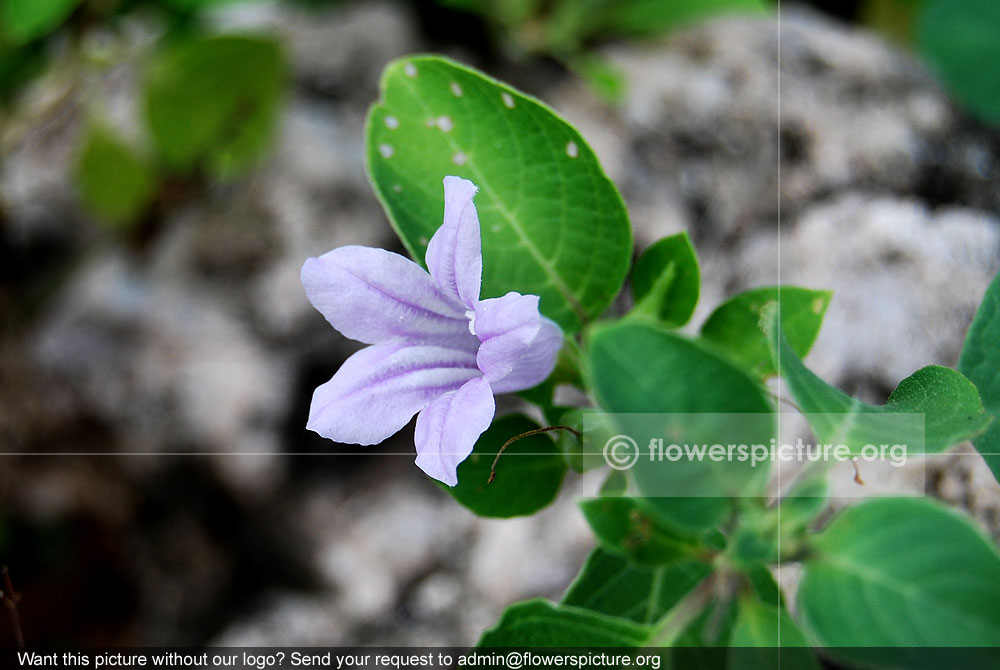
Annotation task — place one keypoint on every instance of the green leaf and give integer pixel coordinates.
(575, 22)
(765, 636)
(603, 77)
(666, 281)
(980, 362)
(763, 585)
(609, 584)
(24, 20)
(733, 326)
(929, 411)
(666, 387)
(116, 183)
(959, 39)
(800, 506)
(901, 572)
(528, 474)
(552, 222)
(755, 539)
(539, 623)
(212, 102)
(652, 17)
(623, 528)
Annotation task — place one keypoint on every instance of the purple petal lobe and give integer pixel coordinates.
(448, 429)
(376, 296)
(454, 254)
(377, 390)
(519, 345)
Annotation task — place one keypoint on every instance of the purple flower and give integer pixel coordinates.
(437, 349)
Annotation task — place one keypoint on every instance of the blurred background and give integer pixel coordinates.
(166, 167)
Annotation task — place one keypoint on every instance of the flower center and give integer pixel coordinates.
(471, 316)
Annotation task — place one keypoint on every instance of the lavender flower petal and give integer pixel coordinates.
(531, 365)
(376, 296)
(454, 254)
(448, 429)
(519, 345)
(379, 389)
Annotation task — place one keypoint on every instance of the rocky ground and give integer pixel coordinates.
(793, 149)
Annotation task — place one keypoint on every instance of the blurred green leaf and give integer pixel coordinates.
(892, 575)
(552, 222)
(605, 79)
(212, 102)
(24, 20)
(539, 623)
(573, 23)
(528, 474)
(652, 17)
(980, 362)
(609, 584)
(666, 281)
(961, 39)
(116, 183)
(733, 326)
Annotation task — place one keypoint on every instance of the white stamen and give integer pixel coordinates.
(385, 150)
(471, 316)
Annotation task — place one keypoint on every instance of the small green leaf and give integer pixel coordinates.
(891, 575)
(539, 623)
(765, 636)
(763, 586)
(609, 584)
(733, 326)
(754, 540)
(552, 222)
(929, 411)
(528, 474)
(623, 528)
(666, 281)
(24, 20)
(801, 505)
(980, 362)
(115, 182)
(212, 102)
(959, 38)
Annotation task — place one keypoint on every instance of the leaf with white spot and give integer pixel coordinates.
(552, 222)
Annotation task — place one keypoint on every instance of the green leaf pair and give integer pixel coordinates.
(928, 412)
